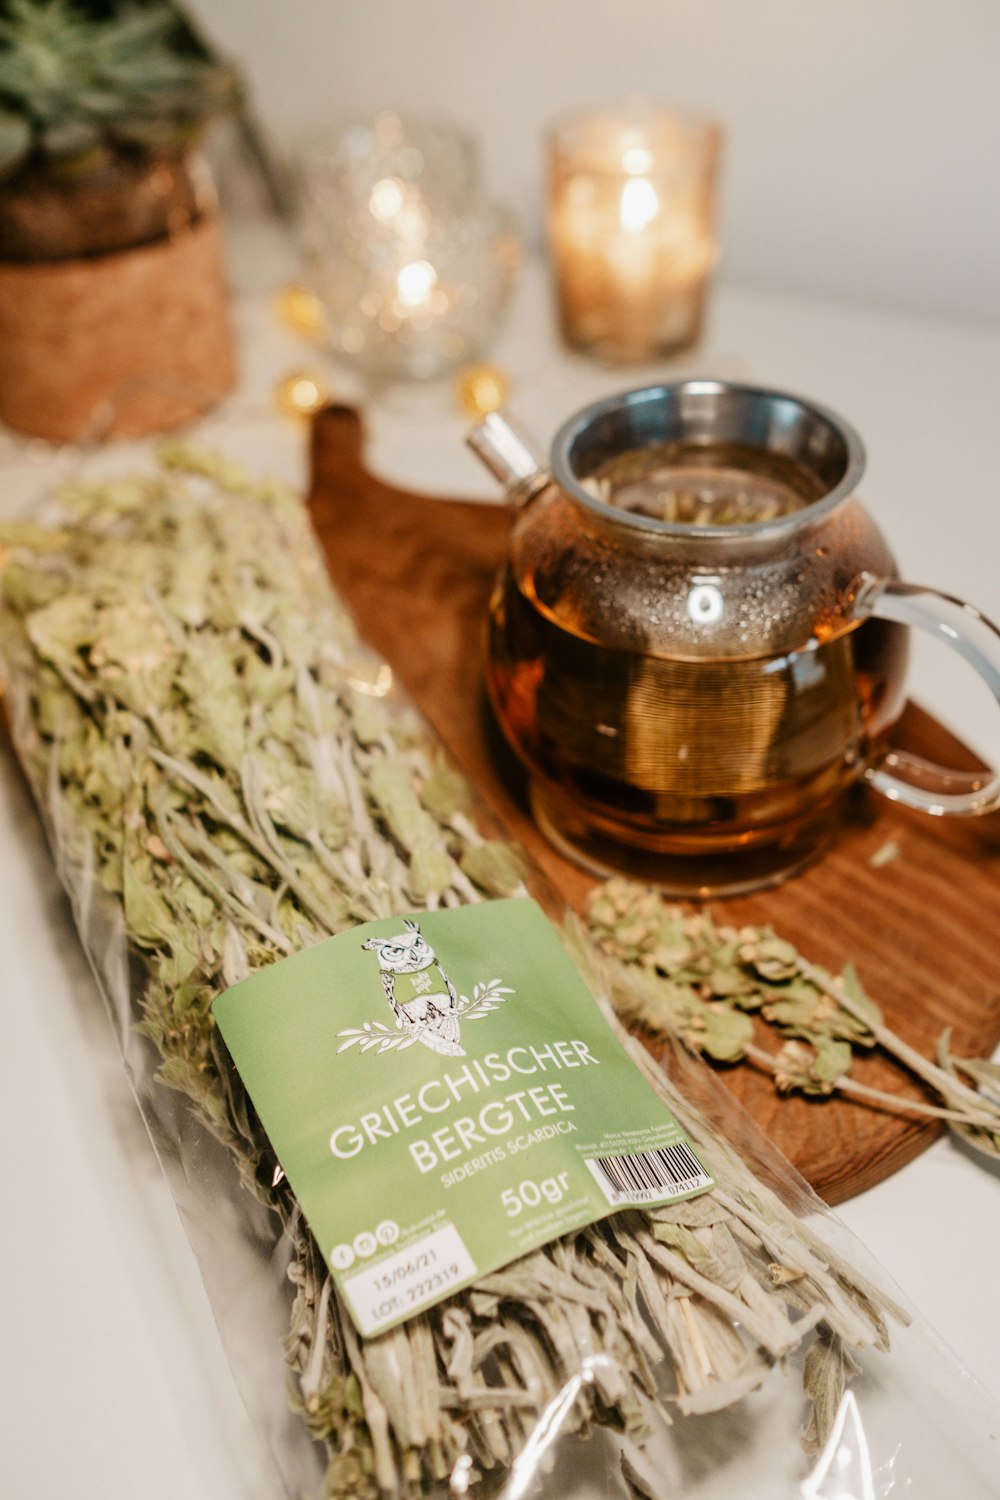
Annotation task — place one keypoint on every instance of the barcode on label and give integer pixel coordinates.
(649, 1176)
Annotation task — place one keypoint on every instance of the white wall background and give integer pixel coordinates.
(863, 152)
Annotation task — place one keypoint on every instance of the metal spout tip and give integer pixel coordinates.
(510, 455)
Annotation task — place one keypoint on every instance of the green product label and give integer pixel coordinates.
(445, 1095)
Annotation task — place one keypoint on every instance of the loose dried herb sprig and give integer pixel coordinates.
(220, 763)
(678, 973)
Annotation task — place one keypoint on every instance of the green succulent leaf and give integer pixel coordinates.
(69, 81)
(15, 141)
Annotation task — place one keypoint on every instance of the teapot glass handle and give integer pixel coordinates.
(908, 778)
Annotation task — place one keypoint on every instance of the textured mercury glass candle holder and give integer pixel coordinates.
(631, 224)
(413, 263)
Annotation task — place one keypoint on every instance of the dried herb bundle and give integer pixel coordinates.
(677, 973)
(215, 750)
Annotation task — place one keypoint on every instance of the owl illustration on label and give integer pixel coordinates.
(420, 994)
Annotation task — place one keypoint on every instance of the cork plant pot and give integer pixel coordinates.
(119, 344)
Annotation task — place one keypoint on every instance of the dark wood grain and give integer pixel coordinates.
(922, 929)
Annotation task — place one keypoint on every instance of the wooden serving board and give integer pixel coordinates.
(921, 928)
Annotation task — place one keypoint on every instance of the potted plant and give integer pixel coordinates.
(114, 316)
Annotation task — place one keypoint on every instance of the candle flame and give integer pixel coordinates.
(637, 160)
(386, 199)
(415, 283)
(639, 204)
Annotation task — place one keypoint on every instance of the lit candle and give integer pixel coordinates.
(631, 230)
(411, 263)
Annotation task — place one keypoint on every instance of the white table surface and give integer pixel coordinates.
(112, 1381)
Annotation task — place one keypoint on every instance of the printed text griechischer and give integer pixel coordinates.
(493, 1119)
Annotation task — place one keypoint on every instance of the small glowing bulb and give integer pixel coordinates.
(300, 309)
(415, 283)
(386, 198)
(639, 204)
(302, 394)
(636, 160)
(481, 389)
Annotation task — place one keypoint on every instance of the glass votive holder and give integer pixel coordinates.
(413, 264)
(631, 227)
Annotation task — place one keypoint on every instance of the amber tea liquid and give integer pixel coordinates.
(672, 757)
(705, 484)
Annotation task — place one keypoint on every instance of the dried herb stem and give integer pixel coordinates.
(881, 1098)
(676, 973)
(977, 1110)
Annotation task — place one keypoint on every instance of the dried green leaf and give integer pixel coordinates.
(494, 868)
(446, 793)
(390, 783)
(774, 958)
(149, 918)
(29, 586)
(857, 992)
(430, 874)
(828, 1366)
(726, 1033)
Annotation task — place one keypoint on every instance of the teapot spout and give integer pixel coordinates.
(509, 454)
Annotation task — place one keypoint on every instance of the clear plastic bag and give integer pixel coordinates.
(227, 775)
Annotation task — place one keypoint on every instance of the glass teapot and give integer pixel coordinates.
(698, 641)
